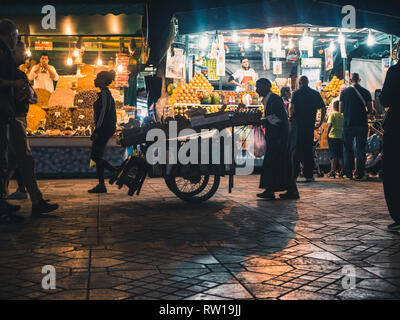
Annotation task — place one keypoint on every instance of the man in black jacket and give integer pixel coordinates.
(302, 114)
(8, 84)
(20, 154)
(391, 172)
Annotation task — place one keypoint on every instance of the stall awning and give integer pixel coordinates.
(275, 13)
(78, 19)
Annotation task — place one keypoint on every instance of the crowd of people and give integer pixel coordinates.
(290, 121)
(16, 93)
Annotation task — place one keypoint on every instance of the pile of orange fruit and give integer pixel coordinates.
(188, 92)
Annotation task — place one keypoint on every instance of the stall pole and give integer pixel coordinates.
(187, 57)
(391, 49)
(344, 67)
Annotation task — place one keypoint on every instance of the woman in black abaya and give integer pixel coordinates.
(277, 169)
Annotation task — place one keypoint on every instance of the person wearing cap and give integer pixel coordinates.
(277, 170)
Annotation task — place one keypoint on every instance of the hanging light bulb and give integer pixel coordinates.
(332, 47)
(120, 68)
(370, 39)
(204, 42)
(235, 37)
(28, 52)
(99, 61)
(76, 53)
(69, 59)
(246, 43)
(266, 43)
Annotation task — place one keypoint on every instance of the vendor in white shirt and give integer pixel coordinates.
(43, 74)
(245, 74)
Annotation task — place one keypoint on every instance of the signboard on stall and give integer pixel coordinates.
(328, 59)
(175, 64)
(277, 67)
(43, 45)
(311, 62)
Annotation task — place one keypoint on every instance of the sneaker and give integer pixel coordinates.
(43, 206)
(18, 195)
(363, 178)
(100, 188)
(266, 195)
(289, 196)
(394, 226)
(331, 175)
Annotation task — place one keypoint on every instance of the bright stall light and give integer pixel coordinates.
(246, 43)
(370, 39)
(28, 52)
(120, 68)
(203, 42)
(76, 53)
(235, 37)
(332, 47)
(69, 61)
(99, 62)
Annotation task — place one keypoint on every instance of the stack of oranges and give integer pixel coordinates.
(200, 82)
(187, 92)
(184, 93)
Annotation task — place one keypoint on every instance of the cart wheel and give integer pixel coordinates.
(193, 189)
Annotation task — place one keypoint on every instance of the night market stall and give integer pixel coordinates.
(88, 39)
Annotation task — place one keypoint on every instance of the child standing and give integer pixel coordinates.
(335, 141)
(105, 120)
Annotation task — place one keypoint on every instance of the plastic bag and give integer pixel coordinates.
(257, 139)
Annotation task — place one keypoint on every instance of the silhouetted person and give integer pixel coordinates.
(391, 136)
(105, 120)
(302, 114)
(20, 155)
(277, 169)
(8, 84)
(355, 104)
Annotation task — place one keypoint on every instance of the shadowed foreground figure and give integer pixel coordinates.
(391, 173)
(277, 169)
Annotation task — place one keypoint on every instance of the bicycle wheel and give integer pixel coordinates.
(193, 189)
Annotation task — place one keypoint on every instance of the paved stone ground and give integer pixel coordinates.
(232, 247)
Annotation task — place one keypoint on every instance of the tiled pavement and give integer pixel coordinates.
(232, 247)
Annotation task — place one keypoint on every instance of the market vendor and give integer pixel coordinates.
(244, 75)
(43, 74)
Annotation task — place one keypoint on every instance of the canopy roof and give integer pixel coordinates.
(78, 19)
(275, 13)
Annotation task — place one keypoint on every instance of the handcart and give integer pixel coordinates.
(190, 182)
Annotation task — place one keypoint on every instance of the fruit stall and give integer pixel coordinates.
(85, 43)
(280, 54)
